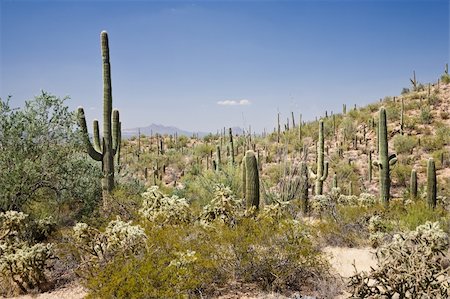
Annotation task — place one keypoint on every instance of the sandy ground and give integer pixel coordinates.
(341, 259)
(72, 291)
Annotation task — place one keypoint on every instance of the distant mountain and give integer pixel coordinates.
(169, 130)
(158, 129)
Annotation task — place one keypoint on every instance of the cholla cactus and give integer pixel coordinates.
(319, 204)
(183, 259)
(159, 208)
(224, 206)
(124, 237)
(367, 200)
(20, 260)
(274, 211)
(348, 200)
(97, 247)
(410, 266)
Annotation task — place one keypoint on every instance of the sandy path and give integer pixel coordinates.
(342, 259)
(72, 291)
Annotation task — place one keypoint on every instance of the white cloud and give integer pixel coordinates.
(243, 102)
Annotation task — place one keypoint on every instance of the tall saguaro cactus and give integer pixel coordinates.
(251, 180)
(322, 166)
(431, 183)
(111, 129)
(385, 161)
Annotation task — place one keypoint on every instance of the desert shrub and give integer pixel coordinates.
(425, 116)
(408, 267)
(445, 78)
(348, 128)
(432, 143)
(402, 173)
(405, 90)
(443, 133)
(415, 214)
(404, 144)
(445, 114)
(200, 188)
(23, 261)
(194, 260)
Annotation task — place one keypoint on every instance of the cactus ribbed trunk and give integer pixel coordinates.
(384, 160)
(431, 184)
(322, 167)
(252, 179)
(370, 167)
(108, 162)
(231, 145)
(218, 158)
(413, 184)
(304, 186)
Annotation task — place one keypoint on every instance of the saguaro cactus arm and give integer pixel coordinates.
(392, 159)
(90, 149)
(325, 173)
(96, 137)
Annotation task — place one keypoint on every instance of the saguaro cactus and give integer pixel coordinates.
(322, 166)
(402, 117)
(111, 131)
(251, 180)
(370, 167)
(385, 161)
(231, 145)
(413, 184)
(304, 187)
(431, 184)
(218, 158)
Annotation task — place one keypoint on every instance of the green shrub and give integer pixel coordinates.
(404, 144)
(445, 78)
(425, 116)
(194, 260)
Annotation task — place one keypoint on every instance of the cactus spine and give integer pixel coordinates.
(108, 149)
(322, 167)
(251, 180)
(384, 160)
(431, 184)
(413, 184)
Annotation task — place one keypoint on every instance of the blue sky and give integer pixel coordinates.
(184, 63)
